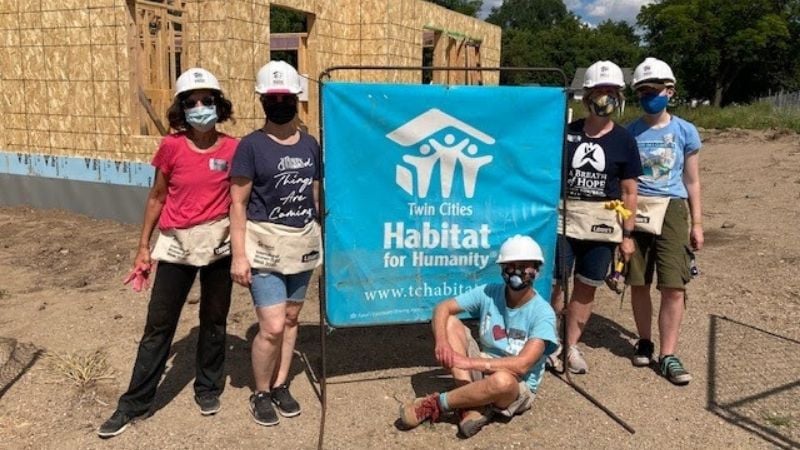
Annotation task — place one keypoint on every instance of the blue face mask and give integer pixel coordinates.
(202, 118)
(654, 103)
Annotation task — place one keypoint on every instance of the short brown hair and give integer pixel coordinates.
(177, 118)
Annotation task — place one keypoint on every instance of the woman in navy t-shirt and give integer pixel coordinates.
(603, 165)
(275, 235)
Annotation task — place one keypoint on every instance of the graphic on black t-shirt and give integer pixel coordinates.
(596, 165)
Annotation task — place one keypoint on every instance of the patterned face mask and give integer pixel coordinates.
(603, 105)
(518, 279)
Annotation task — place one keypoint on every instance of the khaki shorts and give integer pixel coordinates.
(666, 254)
(525, 398)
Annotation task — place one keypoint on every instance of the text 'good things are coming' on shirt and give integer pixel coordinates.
(283, 178)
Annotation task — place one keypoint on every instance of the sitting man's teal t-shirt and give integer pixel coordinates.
(504, 331)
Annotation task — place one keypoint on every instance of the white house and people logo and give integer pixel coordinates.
(437, 143)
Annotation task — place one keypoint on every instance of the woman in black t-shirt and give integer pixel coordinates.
(275, 236)
(603, 165)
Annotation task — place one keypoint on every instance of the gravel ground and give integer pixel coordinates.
(60, 291)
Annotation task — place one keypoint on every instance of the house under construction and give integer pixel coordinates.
(86, 83)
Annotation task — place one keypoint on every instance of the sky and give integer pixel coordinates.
(591, 11)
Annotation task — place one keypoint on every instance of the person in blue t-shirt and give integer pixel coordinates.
(501, 372)
(669, 148)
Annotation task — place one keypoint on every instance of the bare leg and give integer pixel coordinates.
(500, 388)
(457, 337)
(289, 338)
(267, 344)
(579, 310)
(669, 320)
(557, 298)
(642, 310)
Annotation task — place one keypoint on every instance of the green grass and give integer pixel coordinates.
(756, 116)
(777, 420)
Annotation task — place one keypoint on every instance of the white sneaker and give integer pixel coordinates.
(575, 360)
(553, 360)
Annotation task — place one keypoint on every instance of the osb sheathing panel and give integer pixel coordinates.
(40, 41)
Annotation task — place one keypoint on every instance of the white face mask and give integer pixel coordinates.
(201, 118)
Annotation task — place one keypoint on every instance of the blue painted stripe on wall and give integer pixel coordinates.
(125, 173)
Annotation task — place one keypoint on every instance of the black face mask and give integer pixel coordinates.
(279, 112)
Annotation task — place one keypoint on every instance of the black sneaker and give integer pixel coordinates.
(209, 404)
(287, 405)
(672, 368)
(116, 424)
(262, 410)
(642, 353)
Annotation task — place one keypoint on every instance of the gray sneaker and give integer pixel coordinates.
(672, 369)
(553, 360)
(209, 404)
(117, 423)
(283, 400)
(262, 410)
(575, 360)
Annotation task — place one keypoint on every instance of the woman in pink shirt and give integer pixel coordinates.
(189, 201)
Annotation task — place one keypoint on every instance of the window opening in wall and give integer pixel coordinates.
(158, 31)
(288, 41)
(428, 46)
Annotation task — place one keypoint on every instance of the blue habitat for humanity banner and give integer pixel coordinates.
(423, 183)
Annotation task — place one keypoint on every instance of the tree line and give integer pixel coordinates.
(720, 50)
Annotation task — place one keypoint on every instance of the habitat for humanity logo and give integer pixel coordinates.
(448, 154)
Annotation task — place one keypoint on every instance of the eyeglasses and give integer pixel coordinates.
(189, 103)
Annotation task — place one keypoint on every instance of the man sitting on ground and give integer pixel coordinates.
(517, 332)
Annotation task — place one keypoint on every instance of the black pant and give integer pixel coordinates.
(170, 289)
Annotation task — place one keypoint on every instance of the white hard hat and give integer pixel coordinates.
(196, 78)
(520, 248)
(653, 70)
(278, 77)
(603, 73)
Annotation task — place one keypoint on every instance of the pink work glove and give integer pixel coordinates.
(139, 275)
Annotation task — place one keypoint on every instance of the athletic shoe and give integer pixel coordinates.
(419, 410)
(672, 369)
(575, 360)
(642, 353)
(287, 405)
(116, 424)
(553, 360)
(262, 410)
(209, 404)
(473, 420)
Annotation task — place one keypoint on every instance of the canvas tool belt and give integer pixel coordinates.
(650, 213)
(283, 249)
(590, 221)
(198, 246)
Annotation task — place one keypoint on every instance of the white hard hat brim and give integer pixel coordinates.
(278, 91)
(198, 87)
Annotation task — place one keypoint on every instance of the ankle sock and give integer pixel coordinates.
(443, 402)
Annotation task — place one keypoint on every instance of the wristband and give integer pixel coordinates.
(627, 233)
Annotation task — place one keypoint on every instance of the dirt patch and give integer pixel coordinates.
(60, 290)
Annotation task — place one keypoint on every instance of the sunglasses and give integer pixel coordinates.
(189, 103)
(278, 98)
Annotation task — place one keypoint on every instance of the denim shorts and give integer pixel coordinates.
(272, 288)
(591, 259)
